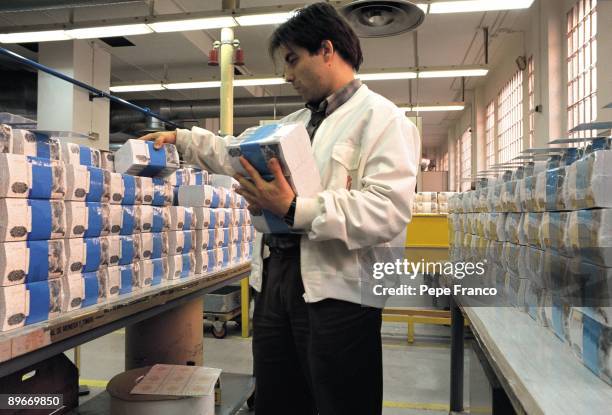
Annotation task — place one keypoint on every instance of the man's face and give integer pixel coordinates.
(306, 72)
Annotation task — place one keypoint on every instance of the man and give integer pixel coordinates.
(316, 347)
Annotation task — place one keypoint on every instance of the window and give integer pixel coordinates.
(531, 92)
(458, 165)
(490, 134)
(510, 119)
(466, 160)
(444, 166)
(581, 66)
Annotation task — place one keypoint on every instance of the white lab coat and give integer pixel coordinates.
(367, 139)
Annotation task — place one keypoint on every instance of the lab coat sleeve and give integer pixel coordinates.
(205, 149)
(381, 208)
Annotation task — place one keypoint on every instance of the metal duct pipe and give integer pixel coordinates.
(7, 6)
(124, 120)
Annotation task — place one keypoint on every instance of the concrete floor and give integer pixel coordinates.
(416, 377)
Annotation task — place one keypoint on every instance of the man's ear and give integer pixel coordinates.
(327, 50)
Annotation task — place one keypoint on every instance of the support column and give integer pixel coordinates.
(63, 106)
(174, 337)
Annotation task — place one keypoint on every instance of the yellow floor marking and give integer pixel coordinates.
(93, 383)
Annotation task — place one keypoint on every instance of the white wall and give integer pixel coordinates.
(545, 40)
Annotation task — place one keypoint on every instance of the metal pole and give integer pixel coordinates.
(457, 356)
(226, 65)
(94, 91)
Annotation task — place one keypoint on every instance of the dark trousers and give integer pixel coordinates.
(323, 357)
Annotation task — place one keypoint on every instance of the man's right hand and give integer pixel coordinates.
(160, 138)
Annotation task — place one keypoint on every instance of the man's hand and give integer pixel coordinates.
(275, 196)
(160, 138)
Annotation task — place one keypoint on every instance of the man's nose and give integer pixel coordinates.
(288, 75)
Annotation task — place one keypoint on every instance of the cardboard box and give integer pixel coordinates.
(107, 160)
(73, 292)
(198, 196)
(180, 177)
(131, 279)
(35, 144)
(114, 282)
(32, 177)
(221, 258)
(162, 193)
(205, 218)
(123, 220)
(85, 184)
(140, 158)
(73, 153)
(45, 300)
(129, 191)
(236, 234)
(198, 177)
(87, 219)
(226, 182)
(181, 266)
(86, 255)
(246, 251)
(201, 262)
(153, 245)
(204, 239)
(181, 218)
(31, 261)
(589, 181)
(222, 237)
(6, 138)
(144, 190)
(154, 270)
(116, 188)
(124, 249)
(14, 307)
(180, 242)
(95, 288)
(225, 197)
(290, 144)
(15, 180)
(161, 219)
(222, 218)
(234, 254)
(31, 219)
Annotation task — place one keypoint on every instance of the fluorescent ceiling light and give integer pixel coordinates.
(259, 81)
(464, 6)
(193, 85)
(109, 31)
(383, 76)
(453, 73)
(423, 6)
(193, 24)
(137, 88)
(431, 108)
(27, 37)
(263, 19)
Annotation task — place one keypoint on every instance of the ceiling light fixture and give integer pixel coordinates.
(27, 37)
(109, 31)
(386, 76)
(465, 6)
(137, 88)
(263, 19)
(193, 24)
(259, 81)
(432, 108)
(452, 73)
(193, 85)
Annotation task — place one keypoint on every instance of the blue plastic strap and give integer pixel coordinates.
(211, 260)
(158, 192)
(42, 178)
(252, 152)
(157, 246)
(214, 203)
(42, 146)
(591, 332)
(186, 265)
(96, 184)
(85, 155)
(158, 220)
(127, 250)
(213, 219)
(38, 269)
(186, 241)
(226, 258)
(197, 178)
(39, 302)
(158, 271)
(94, 254)
(129, 186)
(187, 221)
(127, 223)
(94, 219)
(41, 219)
(211, 237)
(126, 279)
(175, 191)
(92, 288)
(157, 161)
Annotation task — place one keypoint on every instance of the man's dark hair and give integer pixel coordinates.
(313, 24)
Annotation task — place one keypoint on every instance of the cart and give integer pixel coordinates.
(220, 307)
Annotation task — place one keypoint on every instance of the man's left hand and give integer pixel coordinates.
(275, 196)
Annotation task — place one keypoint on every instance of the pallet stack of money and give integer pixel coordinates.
(544, 231)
